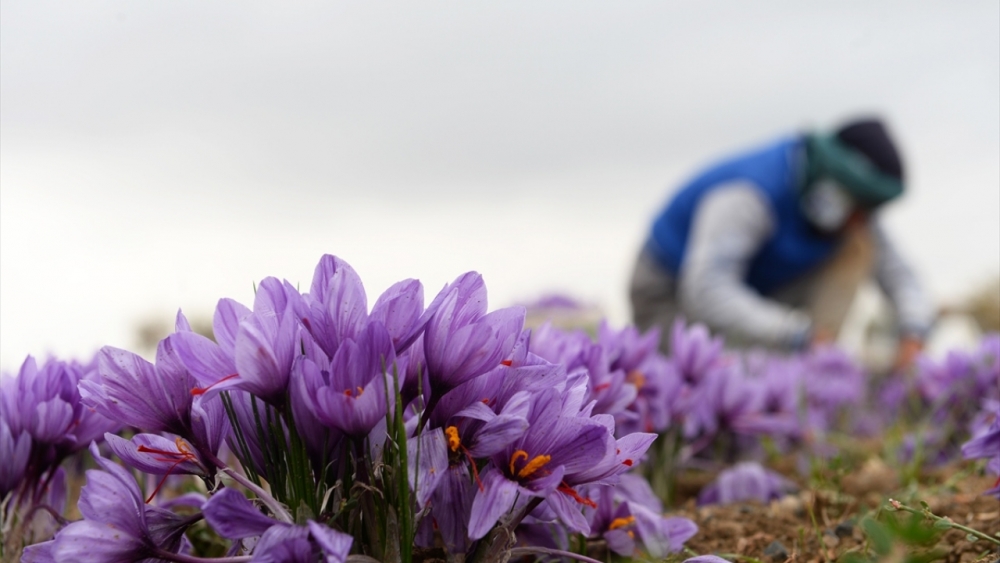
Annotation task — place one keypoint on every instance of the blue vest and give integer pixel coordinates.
(794, 246)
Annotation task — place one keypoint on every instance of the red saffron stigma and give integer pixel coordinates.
(507, 363)
(602, 386)
(475, 470)
(627, 463)
(177, 457)
(567, 490)
(201, 390)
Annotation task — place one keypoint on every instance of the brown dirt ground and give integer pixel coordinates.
(820, 525)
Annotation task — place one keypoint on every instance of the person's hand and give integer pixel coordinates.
(909, 348)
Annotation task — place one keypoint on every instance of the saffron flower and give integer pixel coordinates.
(232, 516)
(350, 392)
(462, 340)
(117, 524)
(745, 481)
(535, 465)
(156, 398)
(987, 445)
(631, 527)
(42, 421)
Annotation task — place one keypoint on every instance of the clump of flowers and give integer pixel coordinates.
(43, 422)
(381, 432)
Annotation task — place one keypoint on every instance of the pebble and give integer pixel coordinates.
(845, 529)
(776, 551)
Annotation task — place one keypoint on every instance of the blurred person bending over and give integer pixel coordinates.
(769, 247)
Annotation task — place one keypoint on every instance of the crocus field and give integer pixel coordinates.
(311, 427)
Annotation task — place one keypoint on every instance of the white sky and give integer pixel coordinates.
(156, 155)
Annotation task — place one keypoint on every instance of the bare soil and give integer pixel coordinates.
(819, 525)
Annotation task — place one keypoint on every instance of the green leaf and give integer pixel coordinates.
(942, 524)
(878, 534)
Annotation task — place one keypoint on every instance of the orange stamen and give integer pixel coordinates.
(519, 454)
(635, 377)
(201, 390)
(535, 464)
(567, 490)
(453, 440)
(621, 522)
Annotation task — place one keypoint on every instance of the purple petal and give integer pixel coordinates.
(87, 541)
(399, 309)
(226, 324)
(451, 507)
(284, 544)
(232, 516)
(206, 360)
(570, 512)
(165, 458)
(496, 498)
(336, 545)
(431, 449)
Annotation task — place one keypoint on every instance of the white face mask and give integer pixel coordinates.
(827, 206)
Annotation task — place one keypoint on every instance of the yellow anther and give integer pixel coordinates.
(453, 440)
(533, 465)
(183, 447)
(519, 454)
(621, 522)
(635, 377)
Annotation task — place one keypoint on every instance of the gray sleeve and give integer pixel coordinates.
(730, 225)
(914, 310)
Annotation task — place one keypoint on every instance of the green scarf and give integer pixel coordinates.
(828, 157)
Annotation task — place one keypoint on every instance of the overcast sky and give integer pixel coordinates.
(161, 155)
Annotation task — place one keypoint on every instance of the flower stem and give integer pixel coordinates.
(272, 503)
(181, 558)
(926, 512)
(519, 551)
(276, 507)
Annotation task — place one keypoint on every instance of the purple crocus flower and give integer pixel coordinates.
(987, 445)
(693, 351)
(339, 307)
(232, 516)
(630, 525)
(157, 398)
(42, 421)
(15, 451)
(451, 505)
(268, 341)
(117, 524)
(743, 482)
(157, 455)
(461, 339)
(212, 363)
(349, 394)
(535, 465)
(627, 349)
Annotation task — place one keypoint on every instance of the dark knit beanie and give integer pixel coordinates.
(870, 138)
